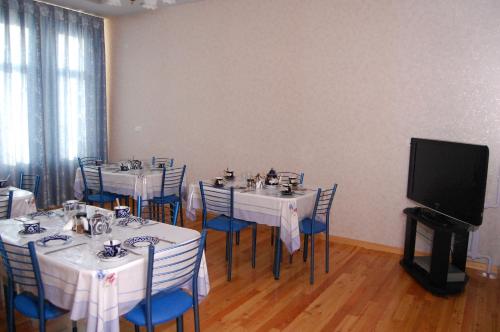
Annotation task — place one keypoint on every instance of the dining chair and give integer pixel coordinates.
(221, 202)
(141, 207)
(171, 186)
(6, 204)
(167, 162)
(168, 271)
(318, 223)
(87, 161)
(23, 272)
(93, 187)
(29, 182)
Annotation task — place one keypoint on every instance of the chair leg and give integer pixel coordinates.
(277, 254)
(227, 246)
(162, 213)
(137, 328)
(180, 323)
(254, 243)
(196, 316)
(272, 235)
(327, 253)
(238, 238)
(230, 258)
(74, 326)
(11, 324)
(41, 324)
(306, 245)
(311, 278)
(290, 259)
(181, 213)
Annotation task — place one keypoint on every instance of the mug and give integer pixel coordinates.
(219, 182)
(31, 227)
(122, 211)
(112, 248)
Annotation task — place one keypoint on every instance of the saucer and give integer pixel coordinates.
(141, 241)
(54, 240)
(286, 193)
(123, 253)
(22, 233)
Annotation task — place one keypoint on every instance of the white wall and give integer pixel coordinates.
(333, 88)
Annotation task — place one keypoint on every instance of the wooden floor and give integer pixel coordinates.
(365, 290)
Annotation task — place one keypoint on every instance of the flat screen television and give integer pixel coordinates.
(449, 178)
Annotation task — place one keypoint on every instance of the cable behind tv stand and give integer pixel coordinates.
(437, 273)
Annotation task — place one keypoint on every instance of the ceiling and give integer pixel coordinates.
(101, 8)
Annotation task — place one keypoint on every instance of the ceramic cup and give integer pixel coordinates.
(31, 227)
(219, 182)
(122, 211)
(286, 188)
(112, 248)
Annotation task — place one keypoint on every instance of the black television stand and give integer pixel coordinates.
(436, 272)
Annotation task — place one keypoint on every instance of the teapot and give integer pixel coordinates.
(135, 164)
(272, 177)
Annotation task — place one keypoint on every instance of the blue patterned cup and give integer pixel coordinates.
(122, 211)
(112, 248)
(31, 227)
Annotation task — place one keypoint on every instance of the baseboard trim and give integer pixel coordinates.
(399, 251)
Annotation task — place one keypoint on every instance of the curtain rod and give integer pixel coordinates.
(72, 9)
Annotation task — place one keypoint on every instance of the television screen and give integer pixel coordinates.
(449, 178)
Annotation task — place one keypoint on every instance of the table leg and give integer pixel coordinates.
(277, 253)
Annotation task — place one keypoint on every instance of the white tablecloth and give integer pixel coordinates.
(75, 279)
(23, 202)
(268, 207)
(145, 183)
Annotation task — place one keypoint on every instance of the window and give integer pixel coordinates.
(13, 96)
(71, 88)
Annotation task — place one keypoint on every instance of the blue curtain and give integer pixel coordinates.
(52, 94)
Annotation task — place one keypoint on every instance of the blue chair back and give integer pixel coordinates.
(29, 182)
(140, 210)
(171, 268)
(21, 265)
(216, 200)
(168, 162)
(92, 180)
(6, 204)
(87, 161)
(172, 180)
(323, 204)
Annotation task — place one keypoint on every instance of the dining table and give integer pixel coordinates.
(78, 278)
(144, 182)
(265, 206)
(23, 201)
